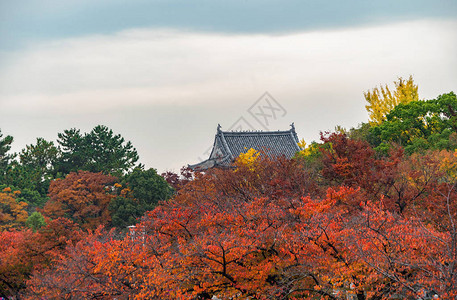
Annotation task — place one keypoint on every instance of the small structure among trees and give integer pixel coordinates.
(228, 145)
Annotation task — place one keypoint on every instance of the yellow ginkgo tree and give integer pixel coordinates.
(382, 100)
(248, 159)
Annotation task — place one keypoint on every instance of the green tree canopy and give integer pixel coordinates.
(417, 125)
(125, 212)
(32, 172)
(37, 166)
(145, 188)
(5, 146)
(42, 156)
(97, 151)
(35, 221)
(72, 147)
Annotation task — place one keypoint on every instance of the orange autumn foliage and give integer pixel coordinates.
(24, 252)
(277, 232)
(12, 212)
(83, 197)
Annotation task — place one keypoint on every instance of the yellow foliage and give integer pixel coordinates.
(302, 144)
(307, 151)
(304, 151)
(381, 101)
(248, 159)
(12, 213)
(448, 164)
(125, 192)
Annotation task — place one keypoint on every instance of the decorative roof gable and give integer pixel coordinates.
(230, 144)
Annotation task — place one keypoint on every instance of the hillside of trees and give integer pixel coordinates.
(365, 213)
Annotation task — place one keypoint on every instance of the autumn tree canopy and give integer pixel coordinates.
(268, 233)
(82, 197)
(23, 252)
(382, 100)
(12, 212)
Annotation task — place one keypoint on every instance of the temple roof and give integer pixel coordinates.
(230, 144)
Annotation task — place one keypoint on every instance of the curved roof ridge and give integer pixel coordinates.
(224, 143)
(257, 132)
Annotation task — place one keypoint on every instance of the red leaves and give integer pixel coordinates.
(14, 267)
(25, 252)
(272, 233)
(349, 161)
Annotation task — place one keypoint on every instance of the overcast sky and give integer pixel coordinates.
(163, 74)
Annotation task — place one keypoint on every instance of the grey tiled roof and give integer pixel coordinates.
(229, 144)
